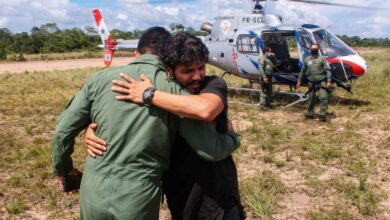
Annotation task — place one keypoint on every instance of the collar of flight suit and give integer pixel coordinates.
(149, 59)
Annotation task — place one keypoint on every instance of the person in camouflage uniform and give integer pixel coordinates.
(266, 68)
(317, 70)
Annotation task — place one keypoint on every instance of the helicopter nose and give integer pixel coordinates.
(358, 65)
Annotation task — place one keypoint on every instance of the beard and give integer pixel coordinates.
(194, 86)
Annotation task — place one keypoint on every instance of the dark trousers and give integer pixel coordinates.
(266, 93)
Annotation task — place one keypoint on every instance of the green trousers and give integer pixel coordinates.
(323, 98)
(266, 93)
(111, 198)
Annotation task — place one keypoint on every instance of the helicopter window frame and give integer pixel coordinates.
(306, 39)
(247, 43)
(331, 45)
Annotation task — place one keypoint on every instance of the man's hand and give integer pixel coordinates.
(329, 85)
(95, 145)
(132, 89)
(61, 179)
(265, 80)
(298, 85)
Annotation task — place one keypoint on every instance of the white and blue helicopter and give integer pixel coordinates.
(236, 43)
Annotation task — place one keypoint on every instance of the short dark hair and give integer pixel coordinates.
(152, 40)
(183, 49)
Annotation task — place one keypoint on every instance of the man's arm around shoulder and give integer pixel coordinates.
(205, 106)
(206, 141)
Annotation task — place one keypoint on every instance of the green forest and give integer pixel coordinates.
(48, 38)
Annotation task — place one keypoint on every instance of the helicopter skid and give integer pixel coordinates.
(301, 96)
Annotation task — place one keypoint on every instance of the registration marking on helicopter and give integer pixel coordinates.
(253, 20)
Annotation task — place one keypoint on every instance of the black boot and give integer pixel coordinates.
(309, 116)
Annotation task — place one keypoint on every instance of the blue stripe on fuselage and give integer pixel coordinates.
(244, 72)
(255, 64)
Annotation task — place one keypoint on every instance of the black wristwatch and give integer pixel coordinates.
(148, 94)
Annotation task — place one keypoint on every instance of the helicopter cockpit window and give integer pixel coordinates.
(247, 44)
(330, 45)
(306, 41)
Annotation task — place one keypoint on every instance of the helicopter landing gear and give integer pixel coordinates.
(224, 73)
(300, 96)
(251, 81)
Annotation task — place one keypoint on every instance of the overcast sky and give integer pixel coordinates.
(22, 15)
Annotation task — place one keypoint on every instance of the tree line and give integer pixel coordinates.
(48, 38)
(356, 41)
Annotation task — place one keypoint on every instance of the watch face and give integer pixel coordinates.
(148, 95)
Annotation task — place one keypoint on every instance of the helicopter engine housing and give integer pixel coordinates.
(206, 27)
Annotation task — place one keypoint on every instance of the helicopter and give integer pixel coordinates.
(235, 43)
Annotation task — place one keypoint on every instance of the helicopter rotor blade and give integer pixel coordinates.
(338, 4)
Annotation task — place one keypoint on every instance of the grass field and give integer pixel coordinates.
(288, 168)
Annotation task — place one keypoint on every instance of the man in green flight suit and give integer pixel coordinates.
(318, 73)
(266, 68)
(125, 183)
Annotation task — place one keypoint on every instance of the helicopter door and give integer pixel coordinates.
(247, 55)
(304, 40)
(278, 41)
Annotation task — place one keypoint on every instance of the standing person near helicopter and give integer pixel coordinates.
(318, 73)
(266, 68)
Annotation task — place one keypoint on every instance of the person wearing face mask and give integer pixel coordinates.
(266, 68)
(317, 70)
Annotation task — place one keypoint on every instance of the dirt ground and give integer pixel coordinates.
(31, 66)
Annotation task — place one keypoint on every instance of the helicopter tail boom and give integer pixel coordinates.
(108, 41)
